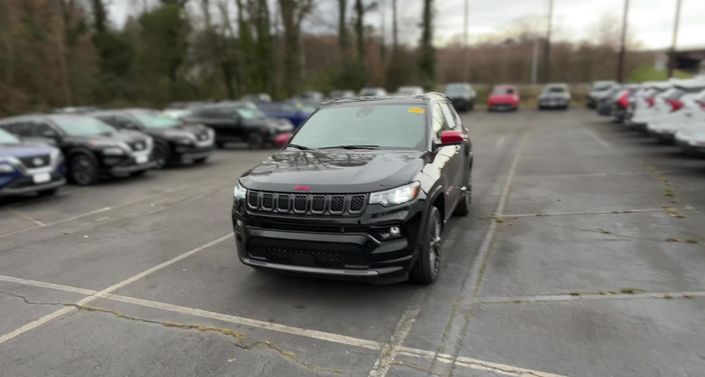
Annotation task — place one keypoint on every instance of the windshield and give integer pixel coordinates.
(152, 119)
(82, 126)
(393, 126)
(554, 89)
(503, 90)
(600, 86)
(7, 138)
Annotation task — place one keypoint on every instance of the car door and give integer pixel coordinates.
(446, 157)
(458, 154)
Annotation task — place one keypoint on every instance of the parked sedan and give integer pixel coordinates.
(503, 97)
(93, 149)
(284, 110)
(683, 110)
(462, 95)
(174, 142)
(29, 167)
(239, 122)
(598, 90)
(409, 91)
(645, 103)
(372, 92)
(555, 95)
(338, 94)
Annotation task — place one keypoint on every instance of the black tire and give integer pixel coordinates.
(255, 140)
(201, 160)
(220, 144)
(83, 169)
(47, 192)
(138, 173)
(161, 154)
(428, 262)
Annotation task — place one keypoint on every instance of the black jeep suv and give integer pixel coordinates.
(174, 142)
(362, 191)
(92, 149)
(239, 122)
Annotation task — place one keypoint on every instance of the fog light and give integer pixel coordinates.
(394, 231)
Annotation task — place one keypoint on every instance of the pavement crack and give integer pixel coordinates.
(415, 367)
(242, 341)
(28, 301)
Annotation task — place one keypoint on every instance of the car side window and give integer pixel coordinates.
(41, 129)
(448, 113)
(123, 122)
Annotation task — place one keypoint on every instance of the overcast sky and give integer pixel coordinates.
(650, 21)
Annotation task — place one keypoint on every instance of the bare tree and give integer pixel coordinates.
(293, 13)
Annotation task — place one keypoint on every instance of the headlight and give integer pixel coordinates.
(113, 151)
(183, 141)
(6, 168)
(397, 195)
(239, 192)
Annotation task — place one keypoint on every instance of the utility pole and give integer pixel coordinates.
(672, 55)
(466, 52)
(547, 48)
(622, 44)
(535, 61)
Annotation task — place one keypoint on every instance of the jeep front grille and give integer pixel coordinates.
(306, 204)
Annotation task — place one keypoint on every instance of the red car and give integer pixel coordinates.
(503, 97)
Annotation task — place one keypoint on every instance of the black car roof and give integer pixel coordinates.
(420, 99)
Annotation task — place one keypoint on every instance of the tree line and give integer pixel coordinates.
(57, 53)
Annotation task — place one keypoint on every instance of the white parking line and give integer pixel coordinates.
(606, 295)
(579, 213)
(101, 294)
(25, 216)
(467, 362)
(64, 220)
(389, 351)
(597, 138)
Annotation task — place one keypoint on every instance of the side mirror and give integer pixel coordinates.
(451, 137)
(282, 140)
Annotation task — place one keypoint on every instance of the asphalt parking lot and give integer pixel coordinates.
(585, 256)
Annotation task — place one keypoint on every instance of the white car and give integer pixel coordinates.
(410, 91)
(691, 138)
(675, 110)
(372, 92)
(645, 102)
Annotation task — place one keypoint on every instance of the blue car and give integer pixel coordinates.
(29, 168)
(285, 110)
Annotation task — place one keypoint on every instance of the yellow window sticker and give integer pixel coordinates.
(417, 110)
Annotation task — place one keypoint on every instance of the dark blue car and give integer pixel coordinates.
(285, 110)
(29, 168)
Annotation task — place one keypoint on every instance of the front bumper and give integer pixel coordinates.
(553, 103)
(502, 106)
(692, 150)
(185, 154)
(337, 248)
(662, 135)
(25, 185)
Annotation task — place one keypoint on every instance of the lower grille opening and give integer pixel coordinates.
(310, 258)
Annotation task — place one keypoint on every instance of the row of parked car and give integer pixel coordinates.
(673, 111)
(41, 152)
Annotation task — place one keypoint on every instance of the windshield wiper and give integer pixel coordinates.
(301, 147)
(353, 146)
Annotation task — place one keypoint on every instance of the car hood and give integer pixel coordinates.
(503, 98)
(334, 171)
(24, 149)
(126, 136)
